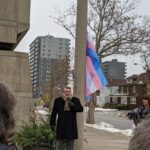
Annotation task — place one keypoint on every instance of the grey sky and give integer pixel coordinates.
(41, 24)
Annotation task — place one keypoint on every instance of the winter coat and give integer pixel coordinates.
(141, 114)
(66, 127)
(8, 147)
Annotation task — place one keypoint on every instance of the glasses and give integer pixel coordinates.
(67, 91)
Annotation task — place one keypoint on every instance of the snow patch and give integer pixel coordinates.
(105, 110)
(102, 109)
(42, 112)
(110, 128)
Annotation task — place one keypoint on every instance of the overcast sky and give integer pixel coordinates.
(41, 24)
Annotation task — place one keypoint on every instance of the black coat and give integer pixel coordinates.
(66, 127)
(6, 147)
(140, 115)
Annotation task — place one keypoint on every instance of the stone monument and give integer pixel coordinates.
(14, 66)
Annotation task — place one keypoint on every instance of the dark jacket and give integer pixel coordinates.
(141, 114)
(8, 147)
(66, 121)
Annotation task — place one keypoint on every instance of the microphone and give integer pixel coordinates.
(70, 103)
(68, 98)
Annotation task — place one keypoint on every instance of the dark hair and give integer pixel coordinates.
(67, 87)
(7, 121)
(146, 97)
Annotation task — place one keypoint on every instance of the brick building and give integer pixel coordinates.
(131, 92)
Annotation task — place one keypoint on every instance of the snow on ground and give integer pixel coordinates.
(110, 112)
(102, 109)
(42, 112)
(105, 110)
(110, 128)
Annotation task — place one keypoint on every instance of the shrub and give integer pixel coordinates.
(122, 107)
(116, 106)
(110, 105)
(32, 135)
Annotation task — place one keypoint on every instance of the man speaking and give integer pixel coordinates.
(66, 108)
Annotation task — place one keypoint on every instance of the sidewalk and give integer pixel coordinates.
(103, 140)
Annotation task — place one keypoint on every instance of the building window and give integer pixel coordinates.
(121, 90)
(133, 100)
(134, 89)
(127, 89)
(111, 100)
(123, 100)
(129, 80)
(119, 100)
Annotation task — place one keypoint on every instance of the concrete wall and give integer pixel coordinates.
(14, 72)
(14, 22)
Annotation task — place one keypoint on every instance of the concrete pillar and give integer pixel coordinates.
(14, 22)
(15, 73)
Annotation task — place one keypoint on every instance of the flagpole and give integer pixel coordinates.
(80, 63)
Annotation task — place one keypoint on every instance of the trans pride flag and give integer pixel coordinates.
(95, 79)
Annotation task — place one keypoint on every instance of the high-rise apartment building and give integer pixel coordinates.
(44, 51)
(114, 69)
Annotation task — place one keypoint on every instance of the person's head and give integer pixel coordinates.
(66, 91)
(146, 101)
(141, 139)
(7, 122)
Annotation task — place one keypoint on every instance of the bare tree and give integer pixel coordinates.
(113, 24)
(59, 78)
(145, 56)
(115, 28)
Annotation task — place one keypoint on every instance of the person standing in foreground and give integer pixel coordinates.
(141, 138)
(7, 121)
(66, 108)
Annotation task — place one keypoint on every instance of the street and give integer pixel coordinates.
(121, 123)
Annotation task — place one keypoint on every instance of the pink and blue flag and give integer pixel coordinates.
(95, 78)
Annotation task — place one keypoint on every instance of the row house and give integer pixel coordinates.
(111, 88)
(131, 92)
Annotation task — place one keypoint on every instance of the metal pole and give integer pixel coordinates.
(79, 74)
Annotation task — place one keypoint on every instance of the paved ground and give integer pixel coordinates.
(102, 140)
(118, 122)
(113, 118)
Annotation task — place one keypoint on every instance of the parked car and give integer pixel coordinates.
(132, 113)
